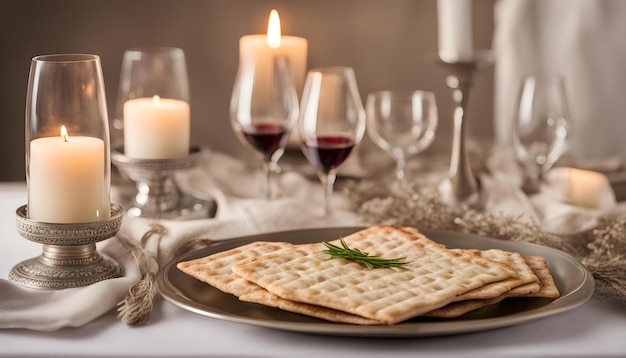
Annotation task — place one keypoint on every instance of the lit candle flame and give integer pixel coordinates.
(273, 30)
(64, 134)
(156, 99)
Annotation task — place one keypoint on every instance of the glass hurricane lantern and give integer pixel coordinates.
(68, 175)
(153, 114)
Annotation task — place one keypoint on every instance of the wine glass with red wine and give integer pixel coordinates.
(264, 109)
(331, 122)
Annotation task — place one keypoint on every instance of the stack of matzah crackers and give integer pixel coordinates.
(435, 282)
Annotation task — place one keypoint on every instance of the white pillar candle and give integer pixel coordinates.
(454, 18)
(66, 181)
(589, 189)
(263, 48)
(156, 128)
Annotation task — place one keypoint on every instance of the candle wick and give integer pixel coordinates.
(65, 138)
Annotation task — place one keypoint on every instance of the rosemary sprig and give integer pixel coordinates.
(355, 254)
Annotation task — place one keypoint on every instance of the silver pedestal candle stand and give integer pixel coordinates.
(69, 258)
(157, 194)
(461, 187)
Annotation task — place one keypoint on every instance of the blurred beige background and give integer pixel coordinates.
(386, 42)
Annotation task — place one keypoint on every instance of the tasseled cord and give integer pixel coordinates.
(136, 308)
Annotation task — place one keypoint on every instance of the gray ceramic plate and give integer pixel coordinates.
(572, 278)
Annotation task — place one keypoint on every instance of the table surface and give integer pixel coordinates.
(597, 328)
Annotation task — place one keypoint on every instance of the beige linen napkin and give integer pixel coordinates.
(49, 310)
(569, 199)
(242, 210)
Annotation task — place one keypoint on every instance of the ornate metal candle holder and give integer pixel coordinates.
(157, 194)
(69, 257)
(461, 186)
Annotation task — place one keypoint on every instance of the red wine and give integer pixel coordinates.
(267, 138)
(328, 152)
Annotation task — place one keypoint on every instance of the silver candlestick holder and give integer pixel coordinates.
(69, 258)
(461, 187)
(157, 194)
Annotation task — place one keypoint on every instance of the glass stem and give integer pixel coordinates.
(533, 177)
(400, 168)
(328, 181)
(270, 170)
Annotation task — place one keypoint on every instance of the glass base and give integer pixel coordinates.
(452, 196)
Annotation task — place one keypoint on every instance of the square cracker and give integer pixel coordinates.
(525, 275)
(547, 289)
(266, 298)
(433, 277)
(525, 279)
(216, 271)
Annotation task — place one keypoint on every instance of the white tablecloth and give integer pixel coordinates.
(597, 328)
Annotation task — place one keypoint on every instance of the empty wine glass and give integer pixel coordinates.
(331, 123)
(402, 123)
(541, 127)
(264, 109)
